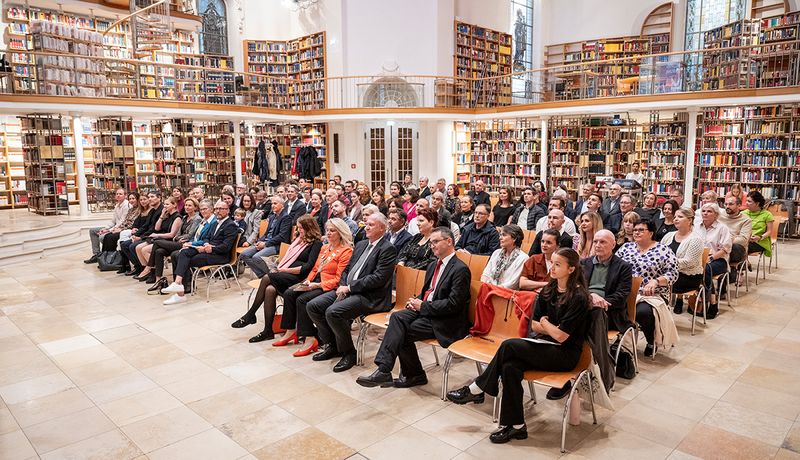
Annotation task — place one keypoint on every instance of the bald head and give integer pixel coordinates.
(603, 244)
(555, 219)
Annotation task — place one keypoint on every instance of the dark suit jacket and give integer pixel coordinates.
(605, 208)
(479, 198)
(374, 283)
(536, 248)
(322, 217)
(618, 286)
(612, 222)
(281, 228)
(403, 237)
(222, 238)
(298, 209)
(448, 309)
(576, 210)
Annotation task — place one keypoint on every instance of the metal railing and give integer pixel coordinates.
(745, 67)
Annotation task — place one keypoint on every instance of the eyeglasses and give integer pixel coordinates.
(220, 209)
(639, 230)
(434, 242)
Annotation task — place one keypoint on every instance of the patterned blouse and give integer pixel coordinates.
(415, 255)
(658, 261)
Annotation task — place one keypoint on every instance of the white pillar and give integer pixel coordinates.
(80, 178)
(543, 149)
(691, 137)
(237, 150)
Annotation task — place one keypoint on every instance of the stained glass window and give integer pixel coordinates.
(702, 16)
(214, 36)
(522, 53)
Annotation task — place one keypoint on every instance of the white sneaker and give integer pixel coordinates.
(175, 299)
(173, 288)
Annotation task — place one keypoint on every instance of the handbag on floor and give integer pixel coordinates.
(109, 261)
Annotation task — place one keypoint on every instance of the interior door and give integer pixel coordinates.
(391, 152)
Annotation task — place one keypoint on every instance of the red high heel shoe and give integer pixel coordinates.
(305, 352)
(284, 342)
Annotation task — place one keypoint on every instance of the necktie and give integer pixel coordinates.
(352, 276)
(433, 280)
(200, 229)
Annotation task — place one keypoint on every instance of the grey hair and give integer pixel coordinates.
(278, 199)
(206, 202)
(370, 207)
(712, 206)
(438, 194)
(381, 219)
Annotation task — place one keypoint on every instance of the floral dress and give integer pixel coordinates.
(658, 261)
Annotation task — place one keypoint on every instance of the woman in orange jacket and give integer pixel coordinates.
(325, 276)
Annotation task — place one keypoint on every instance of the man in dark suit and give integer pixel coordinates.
(294, 206)
(555, 220)
(365, 288)
(613, 222)
(397, 233)
(478, 195)
(441, 311)
(611, 203)
(327, 207)
(609, 280)
(278, 231)
(216, 250)
(582, 205)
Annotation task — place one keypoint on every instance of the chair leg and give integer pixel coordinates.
(445, 374)
(360, 339)
(532, 390)
(496, 403)
(589, 376)
(435, 354)
(565, 415)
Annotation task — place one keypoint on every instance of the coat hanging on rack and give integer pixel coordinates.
(278, 158)
(260, 167)
(307, 163)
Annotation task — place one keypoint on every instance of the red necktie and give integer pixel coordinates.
(433, 280)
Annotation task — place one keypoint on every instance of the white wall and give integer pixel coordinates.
(575, 20)
(494, 14)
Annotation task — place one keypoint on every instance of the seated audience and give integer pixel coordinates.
(528, 213)
(649, 210)
(666, 224)
(197, 193)
(505, 265)
(568, 225)
(478, 194)
(581, 206)
(410, 203)
(355, 207)
(613, 222)
(96, 235)
(737, 192)
(412, 227)
(676, 196)
(709, 196)
(324, 277)
(717, 238)
(625, 233)
(365, 197)
(589, 223)
(229, 197)
(480, 236)
(293, 268)
(762, 220)
(315, 205)
(177, 194)
(252, 221)
(452, 202)
(137, 214)
(425, 190)
(657, 265)
(688, 249)
(536, 270)
(294, 204)
(560, 315)
(145, 228)
(609, 280)
(238, 218)
(365, 288)
(440, 312)
(555, 221)
(278, 231)
(327, 207)
(215, 250)
(339, 209)
(437, 204)
(397, 233)
(417, 253)
(366, 211)
(194, 225)
(505, 208)
(741, 227)
(466, 212)
(167, 227)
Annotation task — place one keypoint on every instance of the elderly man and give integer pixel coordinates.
(216, 249)
(581, 205)
(611, 203)
(555, 220)
(717, 239)
(740, 227)
(609, 280)
(528, 215)
(437, 204)
(424, 190)
(262, 203)
(241, 189)
(197, 193)
(441, 186)
(479, 236)
(613, 222)
(479, 195)
(413, 226)
(96, 234)
(294, 206)
(556, 203)
(440, 312)
(327, 207)
(278, 231)
(365, 288)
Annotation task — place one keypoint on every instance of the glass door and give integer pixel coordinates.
(391, 152)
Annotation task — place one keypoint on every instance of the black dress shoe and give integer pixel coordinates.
(507, 433)
(329, 352)
(711, 311)
(133, 272)
(678, 308)
(347, 362)
(463, 396)
(151, 278)
(554, 394)
(648, 350)
(122, 270)
(242, 322)
(407, 382)
(91, 260)
(262, 336)
(158, 286)
(377, 378)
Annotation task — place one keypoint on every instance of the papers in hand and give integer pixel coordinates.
(301, 287)
(271, 263)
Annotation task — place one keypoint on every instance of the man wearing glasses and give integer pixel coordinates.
(441, 312)
(479, 236)
(215, 250)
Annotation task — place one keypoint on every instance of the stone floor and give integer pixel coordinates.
(91, 367)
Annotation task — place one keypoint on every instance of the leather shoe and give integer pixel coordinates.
(347, 362)
(242, 322)
(329, 352)
(507, 433)
(554, 394)
(91, 260)
(132, 272)
(377, 378)
(122, 270)
(262, 336)
(407, 382)
(463, 396)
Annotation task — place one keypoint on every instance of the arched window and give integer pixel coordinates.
(214, 36)
(702, 16)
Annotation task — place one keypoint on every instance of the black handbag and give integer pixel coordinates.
(625, 368)
(109, 261)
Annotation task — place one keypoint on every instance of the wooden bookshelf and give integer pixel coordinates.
(657, 27)
(114, 159)
(209, 86)
(44, 160)
(663, 153)
(779, 61)
(461, 161)
(12, 167)
(297, 69)
(213, 163)
(482, 53)
(732, 68)
(143, 155)
(765, 8)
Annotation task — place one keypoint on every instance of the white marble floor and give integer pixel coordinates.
(91, 367)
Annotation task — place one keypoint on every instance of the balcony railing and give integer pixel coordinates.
(746, 67)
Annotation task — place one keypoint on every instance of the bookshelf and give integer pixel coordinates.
(731, 68)
(172, 146)
(779, 61)
(657, 26)
(143, 156)
(212, 164)
(295, 71)
(793, 162)
(481, 53)
(663, 153)
(461, 132)
(114, 159)
(12, 167)
(44, 161)
(209, 86)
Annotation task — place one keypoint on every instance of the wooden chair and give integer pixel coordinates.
(527, 241)
(476, 265)
(773, 236)
(581, 371)
(781, 215)
(212, 271)
(505, 325)
(636, 283)
(699, 293)
(262, 229)
(464, 256)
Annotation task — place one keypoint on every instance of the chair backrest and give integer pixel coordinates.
(464, 256)
(405, 284)
(283, 250)
(527, 241)
(777, 209)
(774, 233)
(586, 358)
(636, 283)
(262, 227)
(234, 254)
(476, 265)
(474, 289)
(505, 323)
(706, 255)
(420, 282)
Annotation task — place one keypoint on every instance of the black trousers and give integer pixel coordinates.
(109, 241)
(161, 250)
(714, 268)
(513, 358)
(295, 314)
(753, 248)
(647, 321)
(406, 327)
(333, 318)
(686, 283)
(187, 258)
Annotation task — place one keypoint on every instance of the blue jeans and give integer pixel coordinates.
(252, 257)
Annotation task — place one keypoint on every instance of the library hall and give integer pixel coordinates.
(395, 230)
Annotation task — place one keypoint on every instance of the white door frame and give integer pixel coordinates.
(395, 147)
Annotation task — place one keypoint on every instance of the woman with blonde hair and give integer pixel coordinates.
(324, 277)
(625, 234)
(688, 248)
(589, 223)
(293, 267)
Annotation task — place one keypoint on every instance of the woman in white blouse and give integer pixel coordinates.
(505, 264)
(688, 248)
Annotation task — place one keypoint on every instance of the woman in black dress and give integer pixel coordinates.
(292, 269)
(560, 316)
(504, 209)
(417, 252)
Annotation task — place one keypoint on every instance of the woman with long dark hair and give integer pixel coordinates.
(561, 317)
